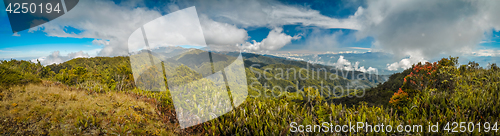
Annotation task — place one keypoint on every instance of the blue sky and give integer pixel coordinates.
(300, 26)
(31, 45)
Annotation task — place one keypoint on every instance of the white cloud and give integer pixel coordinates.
(372, 70)
(282, 15)
(360, 48)
(16, 34)
(486, 52)
(100, 42)
(319, 41)
(274, 41)
(7, 51)
(262, 13)
(343, 64)
(254, 46)
(217, 33)
(362, 68)
(110, 22)
(114, 28)
(56, 58)
(179, 28)
(428, 28)
(347, 65)
(405, 63)
(404, 28)
(183, 27)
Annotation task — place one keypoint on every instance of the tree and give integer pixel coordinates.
(80, 72)
(494, 67)
(473, 65)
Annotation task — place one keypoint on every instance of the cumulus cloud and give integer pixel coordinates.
(274, 41)
(110, 22)
(405, 63)
(264, 13)
(219, 20)
(428, 28)
(56, 58)
(405, 28)
(343, 64)
(347, 65)
(112, 30)
(486, 52)
(218, 33)
(100, 42)
(178, 28)
(319, 41)
(362, 68)
(16, 34)
(183, 27)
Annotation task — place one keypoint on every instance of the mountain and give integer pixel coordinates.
(114, 70)
(378, 60)
(263, 60)
(425, 94)
(194, 58)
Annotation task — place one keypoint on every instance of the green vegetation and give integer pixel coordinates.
(20, 72)
(425, 94)
(55, 109)
(104, 73)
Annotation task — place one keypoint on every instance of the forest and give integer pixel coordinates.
(38, 100)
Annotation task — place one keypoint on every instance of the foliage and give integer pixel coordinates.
(441, 92)
(20, 72)
(53, 109)
(438, 75)
(425, 94)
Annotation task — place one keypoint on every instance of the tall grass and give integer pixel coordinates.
(56, 110)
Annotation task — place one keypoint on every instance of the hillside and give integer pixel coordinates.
(55, 109)
(116, 71)
(425, 94)
(379, 95)
(264, 60)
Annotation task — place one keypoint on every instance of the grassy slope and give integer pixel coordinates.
(379, 95)
(51, 108)
(473, 97)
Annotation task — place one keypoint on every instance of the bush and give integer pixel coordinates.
(9, 77)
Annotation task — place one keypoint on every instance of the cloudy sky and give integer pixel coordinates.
(410, 31)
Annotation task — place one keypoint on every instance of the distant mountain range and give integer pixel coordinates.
(377, 60)
(192, 57)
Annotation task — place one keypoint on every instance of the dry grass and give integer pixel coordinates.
(54, 109)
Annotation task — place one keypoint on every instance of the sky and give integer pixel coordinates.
(409, 31)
